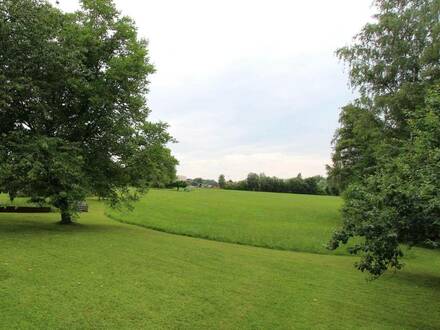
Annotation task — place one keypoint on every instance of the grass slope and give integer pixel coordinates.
(279, 221)
(105, 274)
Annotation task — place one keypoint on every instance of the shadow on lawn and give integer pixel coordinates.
(426, 280)
(43, 227)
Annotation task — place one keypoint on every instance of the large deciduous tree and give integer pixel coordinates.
(386, 155)
(73, 115)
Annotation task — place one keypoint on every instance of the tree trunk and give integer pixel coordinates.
(66, 218)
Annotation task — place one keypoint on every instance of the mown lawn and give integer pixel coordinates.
(280, 221)
(105, 274)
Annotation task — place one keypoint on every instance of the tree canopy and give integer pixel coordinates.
(386, 150)
(221, 181)
(315, 185)
(73, 114)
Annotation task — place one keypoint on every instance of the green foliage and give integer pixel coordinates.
(43, 166)
(77, 82)
(392, 63)
(386, 150)
(400, 203)
(202, 183)
(393, 58)
(221, 181)
(197, 182)
(316, 185)
(179, 184)
(253, 182)
(356, 150)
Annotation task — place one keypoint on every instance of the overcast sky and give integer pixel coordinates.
(248, 86)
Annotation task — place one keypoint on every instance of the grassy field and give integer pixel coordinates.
(280, 221)
(105, 274)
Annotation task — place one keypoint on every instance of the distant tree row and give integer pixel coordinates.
(197, 182)
(200, 182)
(316, 185)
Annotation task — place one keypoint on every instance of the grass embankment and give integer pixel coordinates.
(278, 221)
(105, 274)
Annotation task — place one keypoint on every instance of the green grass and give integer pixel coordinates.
(19, 201)
(4, 201)
(105, 274)
(279, 221)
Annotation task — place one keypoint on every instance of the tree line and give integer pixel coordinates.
(196, 183)
(316, 185)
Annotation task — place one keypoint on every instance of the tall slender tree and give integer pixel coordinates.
(221, 181)
(394, 63)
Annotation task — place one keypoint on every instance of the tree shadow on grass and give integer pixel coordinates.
(45, 227)
(426, 280)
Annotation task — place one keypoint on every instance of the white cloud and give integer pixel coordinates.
(248, 85)
(236, 166)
